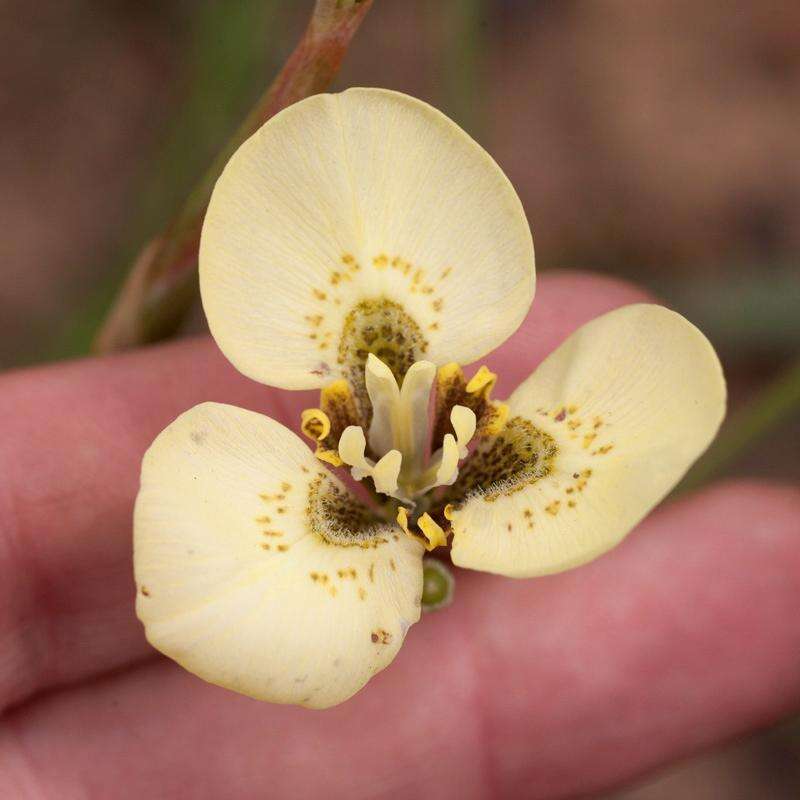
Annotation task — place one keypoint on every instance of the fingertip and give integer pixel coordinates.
(758, 500)
(593, 288)
(565, 300)
(682, 636)
(746, 518)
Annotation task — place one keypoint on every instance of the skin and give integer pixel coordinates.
(682, 637)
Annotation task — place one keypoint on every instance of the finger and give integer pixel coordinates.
(564, 301)
(72, 442)
(568, 685)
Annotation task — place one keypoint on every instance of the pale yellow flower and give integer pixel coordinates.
(362, 244)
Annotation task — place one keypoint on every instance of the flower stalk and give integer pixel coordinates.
(438, 585)
(161, 287)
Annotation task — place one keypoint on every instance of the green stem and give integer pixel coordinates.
(463, 64)
(776, 403)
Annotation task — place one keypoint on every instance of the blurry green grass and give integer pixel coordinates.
(230, 55)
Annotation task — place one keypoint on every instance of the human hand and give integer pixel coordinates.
(683, 636)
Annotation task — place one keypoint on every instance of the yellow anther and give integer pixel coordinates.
(330, 456)
(335, 393)
(315, 423)
(482, 383)
(449, 373)
(402, 521)
(324, 425)
(497, 421)
(432, 531)
(449, 511)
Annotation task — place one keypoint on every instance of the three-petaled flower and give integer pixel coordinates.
(364, 245)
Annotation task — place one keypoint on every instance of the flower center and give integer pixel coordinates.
(383, 327)
(399, 435)
(380, 425)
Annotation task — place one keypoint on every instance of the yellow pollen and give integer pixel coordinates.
(315, 423)
(482, 382)
(433, 535)
(432, 531)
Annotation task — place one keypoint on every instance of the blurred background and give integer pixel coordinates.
(658, 141)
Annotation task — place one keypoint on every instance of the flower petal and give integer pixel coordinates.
(258, 571)
(361, 222)
(600, 432)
